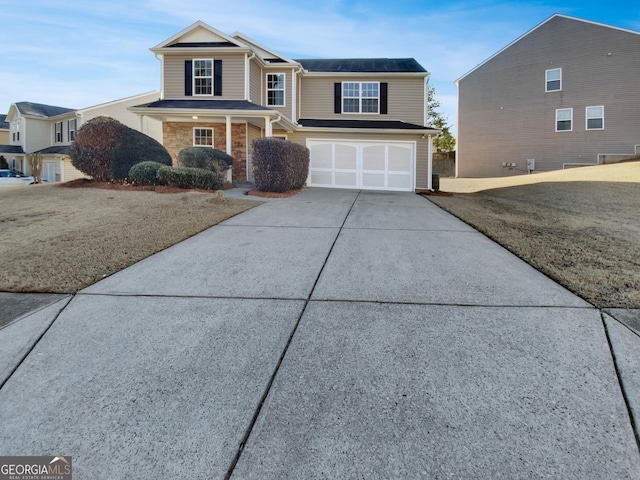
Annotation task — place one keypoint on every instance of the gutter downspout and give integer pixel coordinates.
(161, 58)
(430, 163)
(247, 75)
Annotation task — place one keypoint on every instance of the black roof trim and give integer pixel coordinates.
(11, 149)
(382, 124)
(201, 44)
(362, 65)
(204, 105)
(56, 149)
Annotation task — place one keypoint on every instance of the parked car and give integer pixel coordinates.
(13, 179)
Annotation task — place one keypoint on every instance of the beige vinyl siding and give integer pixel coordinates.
(256, 83)
(232, 75)
(422, 146)
(405, 98)
(505, 115)
(69, 172)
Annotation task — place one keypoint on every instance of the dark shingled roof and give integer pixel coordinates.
(40, 110)
(11, 149)
(3, 121)
(204, 105)
(201, 44)
(362, 65)
(383, 124)
(58, 149)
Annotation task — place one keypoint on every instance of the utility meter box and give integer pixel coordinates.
(531, 164)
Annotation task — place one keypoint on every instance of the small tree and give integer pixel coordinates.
(35, 163)
(445, 142)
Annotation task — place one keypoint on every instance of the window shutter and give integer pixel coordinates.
(188, 78)
(383, 98)
(217, 77)
(337, 97)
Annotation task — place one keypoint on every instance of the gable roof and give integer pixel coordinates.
(267, 54)
(199, 35)
(556, 15)
(40, 110)
(3, 121)
(362, 65)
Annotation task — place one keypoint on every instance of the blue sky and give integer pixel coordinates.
(78, 54)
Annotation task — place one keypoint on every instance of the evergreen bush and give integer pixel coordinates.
(145, 173)
(187, 177)
(279, 165)
(207, 158)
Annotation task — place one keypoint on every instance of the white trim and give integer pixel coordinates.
(586, 117)
(359, 170)
(360, 98)
(199, 24)
(284, 89)
(556, 120)
(193, 77)
(213, 136)
(546, 80)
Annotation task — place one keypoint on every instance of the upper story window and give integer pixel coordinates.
(564, 119)
(15, 132)
(553, 80)
(203, 137)
(595, 118)
(71, 129)
(202, 77)
(58, 131)
(360, 97)
(275, 89)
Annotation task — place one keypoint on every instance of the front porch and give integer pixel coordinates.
(226, 125)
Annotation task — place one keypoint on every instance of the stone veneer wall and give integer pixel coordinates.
(179, 135)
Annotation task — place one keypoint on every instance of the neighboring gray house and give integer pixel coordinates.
(566, 93)
(363, 120)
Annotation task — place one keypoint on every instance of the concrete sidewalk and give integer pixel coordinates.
(334, 334)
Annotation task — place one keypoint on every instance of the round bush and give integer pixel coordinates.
(146, 173)
(91, 150)
(187, 177)
(134, 147)
(205, 157)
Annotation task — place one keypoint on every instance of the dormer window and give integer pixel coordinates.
(275, 89)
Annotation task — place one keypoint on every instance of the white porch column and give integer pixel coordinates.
(430, 164)
(229, 145)
(268, 128)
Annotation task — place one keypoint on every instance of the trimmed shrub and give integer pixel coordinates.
(105, 149)
(279, 165)
(187, 177)
(205, 157)
(91, 150)
(146, 173)
(134, 147)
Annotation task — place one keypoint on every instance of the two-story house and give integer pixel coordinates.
(50, 130)
(564, 94)
(362, 119)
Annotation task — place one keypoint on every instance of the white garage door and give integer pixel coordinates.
(362, 165)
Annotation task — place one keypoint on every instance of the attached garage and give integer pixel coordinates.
(366, 165)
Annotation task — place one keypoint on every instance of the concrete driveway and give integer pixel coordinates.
(334, 334)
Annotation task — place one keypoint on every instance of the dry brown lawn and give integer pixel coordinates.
(59, 239)
(581, 227)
